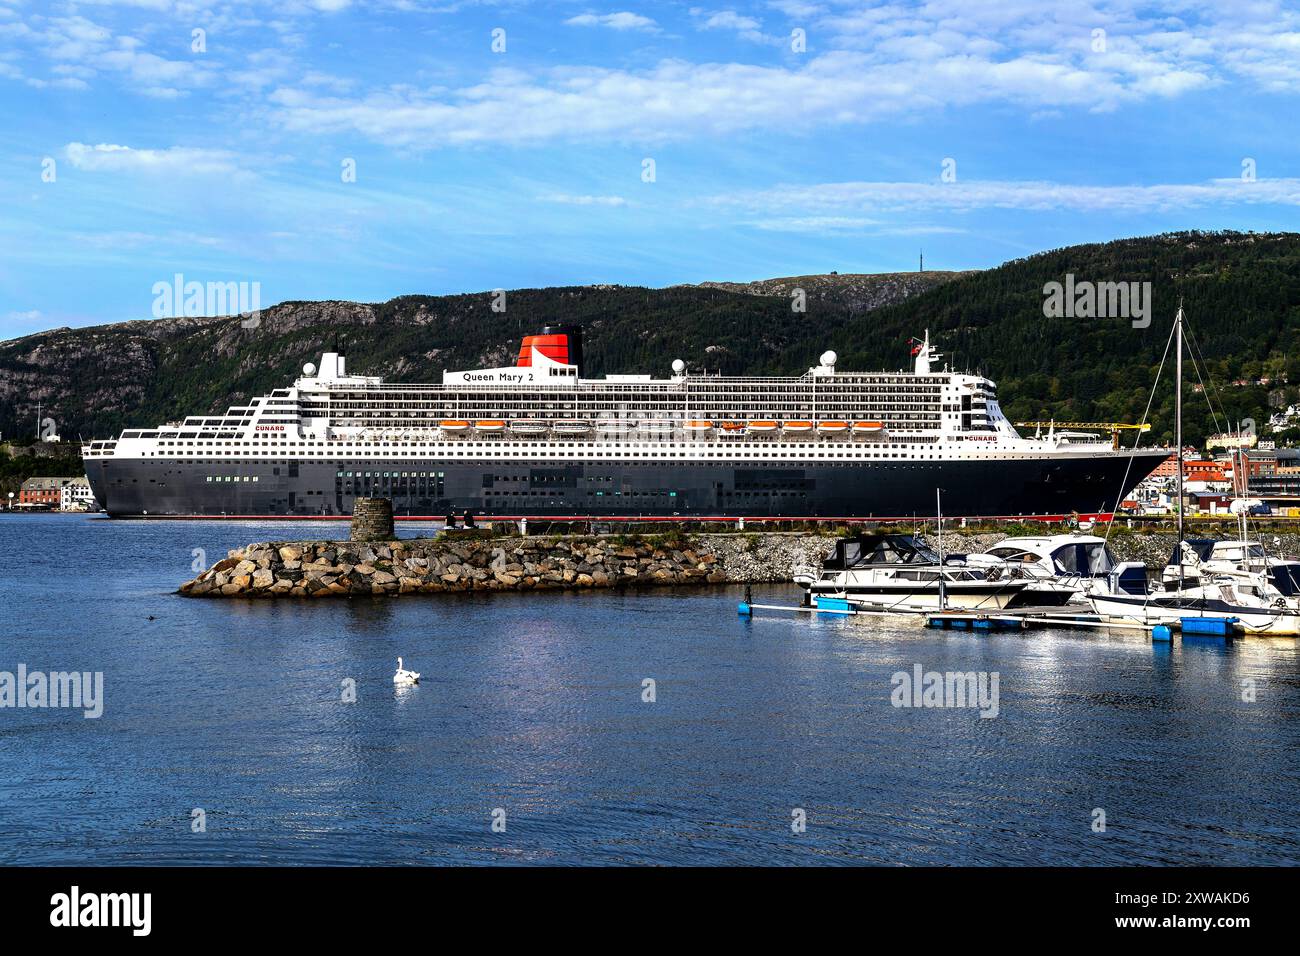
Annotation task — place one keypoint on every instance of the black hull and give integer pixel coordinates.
(971, 488)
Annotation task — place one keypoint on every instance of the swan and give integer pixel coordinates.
(405, 677)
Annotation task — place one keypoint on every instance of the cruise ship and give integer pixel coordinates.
(536, 438)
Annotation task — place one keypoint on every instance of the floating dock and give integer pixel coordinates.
(1019, 619)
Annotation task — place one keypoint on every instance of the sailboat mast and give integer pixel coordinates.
(1178, 428)
(938, 510)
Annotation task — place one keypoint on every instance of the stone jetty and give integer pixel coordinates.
(466, 562)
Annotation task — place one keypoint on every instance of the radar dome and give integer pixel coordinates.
(309, 370)
(828, 358)
(679, 366)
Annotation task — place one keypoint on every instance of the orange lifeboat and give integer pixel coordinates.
(489, 425)
(762, 426)
(453, 425)
(796, 428)
(832, 428)
(696, 427)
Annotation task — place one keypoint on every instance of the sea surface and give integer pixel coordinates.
(532, 714)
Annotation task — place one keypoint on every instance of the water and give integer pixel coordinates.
(532, 703)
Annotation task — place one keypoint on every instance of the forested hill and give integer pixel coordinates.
(1241, 294)
(1241, 291)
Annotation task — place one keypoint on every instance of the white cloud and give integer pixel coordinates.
(728, 20)
(584, 200)
(76, 44)
(107, 157)
(816, 224)
(810, 203)
(614, 21)
(678, 99)
(746, 27)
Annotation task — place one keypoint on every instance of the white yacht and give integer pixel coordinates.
(1072, 563)
(899, 572)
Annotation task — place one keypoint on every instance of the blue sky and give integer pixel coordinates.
(478, 168)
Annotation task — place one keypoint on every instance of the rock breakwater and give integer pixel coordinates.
(486, 563)
(327, 568)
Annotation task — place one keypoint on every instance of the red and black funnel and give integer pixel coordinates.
(559, 343)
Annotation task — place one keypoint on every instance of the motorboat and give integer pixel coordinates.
(1074, 562)
(1247, 597)
(899, 572)
(1200, 556)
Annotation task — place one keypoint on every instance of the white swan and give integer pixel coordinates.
(405, 677)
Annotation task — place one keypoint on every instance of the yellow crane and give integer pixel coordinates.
(1113, 427)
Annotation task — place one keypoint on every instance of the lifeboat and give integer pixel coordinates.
(615, 426)
(453, 426)
(489, 426)
(796, 428)
(656, 426)
(733, 428)
(698, 427)
(868, 428)
(832, 428)
(570, 427)
(762, 427)
(526, 426)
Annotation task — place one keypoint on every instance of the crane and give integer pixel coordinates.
(1113, 427)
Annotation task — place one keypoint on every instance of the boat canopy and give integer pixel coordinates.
(1286, 577)
(876, 549)
(1204, 547)
(1082, 557)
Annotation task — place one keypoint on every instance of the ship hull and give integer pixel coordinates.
(974, 487)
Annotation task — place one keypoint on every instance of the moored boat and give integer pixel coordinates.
(897, 572)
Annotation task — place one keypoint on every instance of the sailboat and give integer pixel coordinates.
(1192, 588)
